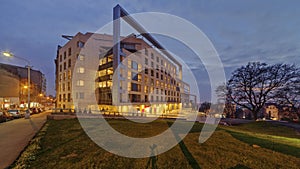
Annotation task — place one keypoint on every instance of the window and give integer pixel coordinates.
(63, 87)
(69, 97)
(152, 64)
(152, 73)
(69, 63)
(162, 62)
(60, 58)
(81, 57)
(80, 70)
(146, 61)
(161, 77)
(157, 59)
(65, 65)
(134, 76)
(81, 95)
(65, 55)
(80, 83)
(152, 56)
(69, 74)
(146, 71)
(60, 68)
(152, 82)
(157, 75)
(69, 52)
(134, 65)
(103, 61)
(102, 72)
(69, 86)
(109, 83)
(80, 44)
(146, 52)
(135, 87)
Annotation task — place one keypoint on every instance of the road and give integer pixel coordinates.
(15, 136)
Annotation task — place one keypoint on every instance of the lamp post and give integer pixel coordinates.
(9, 54)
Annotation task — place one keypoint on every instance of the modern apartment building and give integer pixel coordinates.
(148, 81)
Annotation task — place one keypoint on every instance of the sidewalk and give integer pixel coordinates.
(15, 136)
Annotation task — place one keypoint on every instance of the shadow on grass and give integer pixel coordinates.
(192, 161)
(269, 144)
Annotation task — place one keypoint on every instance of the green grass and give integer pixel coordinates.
(64, 144)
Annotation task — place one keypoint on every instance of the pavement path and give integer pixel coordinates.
(15, 136)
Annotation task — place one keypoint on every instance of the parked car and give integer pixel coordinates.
(5, 116)
(34, 110)
(16, 113)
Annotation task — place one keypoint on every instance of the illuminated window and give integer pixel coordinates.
(80, 83)
(129, 75)
(81, 57)
(109, 83)
(81, 70)
(102, 72)
(69, 74)
(110, 71)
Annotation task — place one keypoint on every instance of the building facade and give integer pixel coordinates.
(14, 86)
(148, 82)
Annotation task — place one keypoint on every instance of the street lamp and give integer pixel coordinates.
(9, 54)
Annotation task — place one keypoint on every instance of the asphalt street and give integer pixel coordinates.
(15, 136)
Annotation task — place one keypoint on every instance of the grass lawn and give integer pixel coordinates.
(64, 144)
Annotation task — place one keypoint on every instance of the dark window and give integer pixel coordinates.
(60, 68)
(65, 55)
(152, 73)
(69, 97)
(69, 63)
(135, 87)
(69, 52)
(60, 58)
(146, 71)
(134, 76)
(157, 59)
(65, 65)
(146, 61)
(157, 75)
(134, 65)
(162, 77)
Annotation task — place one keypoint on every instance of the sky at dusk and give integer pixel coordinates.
(241, 31)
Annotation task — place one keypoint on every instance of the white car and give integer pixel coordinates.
(16, 113)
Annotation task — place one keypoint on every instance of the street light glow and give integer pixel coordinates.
(7, 54)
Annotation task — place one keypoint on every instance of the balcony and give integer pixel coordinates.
(104, 78)
(105, 66)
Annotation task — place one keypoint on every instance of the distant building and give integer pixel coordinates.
(13, 85)
(271, 111)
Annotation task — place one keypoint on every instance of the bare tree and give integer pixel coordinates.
(289, 95)
(253, 85)
(223, 97)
